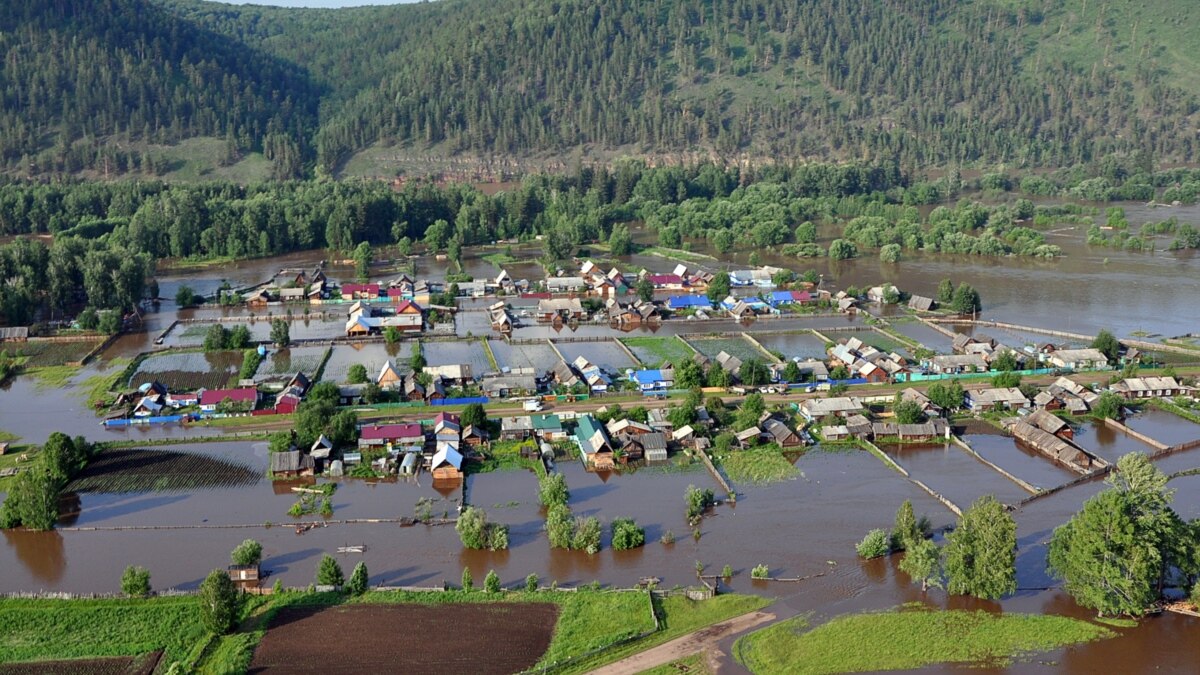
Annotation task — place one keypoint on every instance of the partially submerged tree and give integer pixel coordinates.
(249, 552)
(980, 556)
(135, 582)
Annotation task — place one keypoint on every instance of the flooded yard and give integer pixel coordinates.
(539, 356)
(1163, 426)
(954, 474)
(1108, 443)
(794, 345)
(468, 352)
(1026, 464)
(371, 354)
(606, 354)
(926, 336)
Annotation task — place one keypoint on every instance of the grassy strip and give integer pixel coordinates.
(487, 349)
(759, 466)
(677, 254)
(679, 616)
(38, 630)
(907, 638)
(52, 377)
(499, 259)
(1163, 404)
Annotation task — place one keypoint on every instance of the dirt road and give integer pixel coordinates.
(703, 640)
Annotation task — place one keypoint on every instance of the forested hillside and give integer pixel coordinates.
(87, 82)
(934, 83)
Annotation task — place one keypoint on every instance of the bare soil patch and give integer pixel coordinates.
(480, 638)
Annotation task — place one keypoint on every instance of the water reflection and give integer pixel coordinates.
(42, 554)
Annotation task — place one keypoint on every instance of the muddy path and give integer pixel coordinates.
(704, 640)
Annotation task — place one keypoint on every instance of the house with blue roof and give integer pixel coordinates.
(677, 302)
(652, 380)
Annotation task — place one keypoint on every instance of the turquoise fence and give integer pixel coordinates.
(921, 377)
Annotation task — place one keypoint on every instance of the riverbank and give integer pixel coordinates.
(907, 638)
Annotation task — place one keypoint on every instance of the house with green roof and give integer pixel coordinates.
(548, 427)
(594, 443)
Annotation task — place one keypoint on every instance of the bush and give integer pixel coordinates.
(249, 552)
(491, 583)
(531, 583)
(218, 602)
(185, 297)
(357, 374)
(760, 572)
(667, 537)
(626, 534)
(135, 582)
(587, 535)
(329, 572)
(874, 545)
(468, 582)
(359, 579)
(477, 533)
(552, 490)
(697, 501)
(727, 571)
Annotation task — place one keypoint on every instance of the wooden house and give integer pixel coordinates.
(412, 390)
(389, 377)
(475, 436)
(244, 576)
(776, 431)
(446, 463)
(291, 464)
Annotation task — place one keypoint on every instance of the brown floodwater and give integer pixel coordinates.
(948, 470)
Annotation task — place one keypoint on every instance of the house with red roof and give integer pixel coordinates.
(360, 291)
(667, 281)
(376, 435)
(244, 397)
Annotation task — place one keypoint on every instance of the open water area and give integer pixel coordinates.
(797, 527)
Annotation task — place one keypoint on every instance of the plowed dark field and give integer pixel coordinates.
(481, 639)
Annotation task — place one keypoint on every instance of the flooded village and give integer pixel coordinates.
(801, 399)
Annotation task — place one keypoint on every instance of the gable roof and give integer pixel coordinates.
(215, 396)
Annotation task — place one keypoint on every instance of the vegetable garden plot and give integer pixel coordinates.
(503, 638)
(290, 361)
(655, 351)
(738, 347)
(40, 354)
(189, 371)
(126, 470)
(371, 355)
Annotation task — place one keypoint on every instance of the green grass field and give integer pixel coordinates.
(907, 638)
(758, 466)
(34, 630)
(655, 351)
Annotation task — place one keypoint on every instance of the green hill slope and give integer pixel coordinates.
(939, 82)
